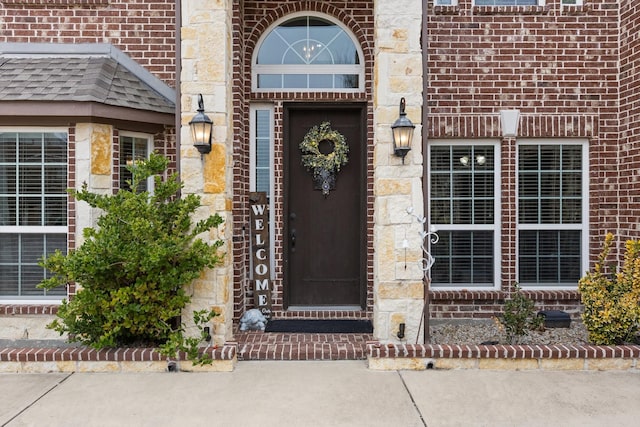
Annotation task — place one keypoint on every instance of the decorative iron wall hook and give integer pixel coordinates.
(428, 238)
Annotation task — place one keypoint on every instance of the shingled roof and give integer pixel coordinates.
(80, 74)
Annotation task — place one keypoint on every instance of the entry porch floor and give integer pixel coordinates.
(258, 345)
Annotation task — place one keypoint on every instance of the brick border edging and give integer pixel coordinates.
(375, 349)
(86, 354)
(380, 356)
(576, 357)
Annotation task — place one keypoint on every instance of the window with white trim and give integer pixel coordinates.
(261, 148)
(445, 2)
(33, 209)
(464, 204)
(572, 2)
(552, 213)
(134, 147)
(308, 53)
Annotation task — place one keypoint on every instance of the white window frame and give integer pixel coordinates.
(32, 229)
(445, 2)
(495, 227)
(573, 3)
(150, 146)
(252, 152)
(583, 226)
(358, 69)
(252, 170)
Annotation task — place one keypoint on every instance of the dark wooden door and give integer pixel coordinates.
(324, 236)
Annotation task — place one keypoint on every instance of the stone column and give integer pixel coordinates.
(398, 295)
(94, 163)
(206, 69)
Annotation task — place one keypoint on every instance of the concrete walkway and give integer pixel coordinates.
(339, 393)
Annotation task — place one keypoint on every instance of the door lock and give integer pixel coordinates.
(292, 236)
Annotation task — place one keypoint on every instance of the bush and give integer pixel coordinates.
(132, 268)
(612, 300)
(519, 316)
(190, 345)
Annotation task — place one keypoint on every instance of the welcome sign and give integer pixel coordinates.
(261, 255)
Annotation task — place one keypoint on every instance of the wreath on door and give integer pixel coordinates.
(324, 152)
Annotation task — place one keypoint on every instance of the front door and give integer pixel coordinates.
(324, 234)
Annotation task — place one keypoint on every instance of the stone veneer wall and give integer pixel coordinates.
(206, 69)
(398, 294)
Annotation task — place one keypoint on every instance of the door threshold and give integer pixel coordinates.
(324, 308)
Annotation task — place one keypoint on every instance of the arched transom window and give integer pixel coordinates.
(308, 53)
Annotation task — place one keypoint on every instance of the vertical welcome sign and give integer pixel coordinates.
(261, 273)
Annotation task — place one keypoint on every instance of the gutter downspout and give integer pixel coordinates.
(424, 38)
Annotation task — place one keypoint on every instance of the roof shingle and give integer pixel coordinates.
(82, 78)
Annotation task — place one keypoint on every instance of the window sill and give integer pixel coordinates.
(28, 308)
(59, 2)
(510, 10)
(574, 9)
(534, 294)
(465, 294)
(446, 10)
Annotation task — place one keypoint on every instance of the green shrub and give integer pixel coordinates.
(519, 316)
(190, 345)
(612, 299)
(133, 267)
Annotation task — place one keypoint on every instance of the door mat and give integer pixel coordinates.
(324, 326)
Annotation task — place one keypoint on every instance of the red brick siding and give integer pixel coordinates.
(559, 67)
(144, 29)
(165, 143)
(629, 160)
(487, 304)
(241, 244)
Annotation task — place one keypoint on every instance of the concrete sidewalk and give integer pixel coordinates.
(339, 393)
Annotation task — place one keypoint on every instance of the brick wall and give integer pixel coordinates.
(559, 66)
(241, 248)
(144, 29)
(629, 160)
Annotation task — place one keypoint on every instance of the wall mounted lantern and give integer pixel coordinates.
(509, 120)
(402, 133)
(201, 129)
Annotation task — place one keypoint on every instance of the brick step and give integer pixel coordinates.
(297, 346)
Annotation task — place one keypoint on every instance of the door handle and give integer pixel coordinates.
(292, 237)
